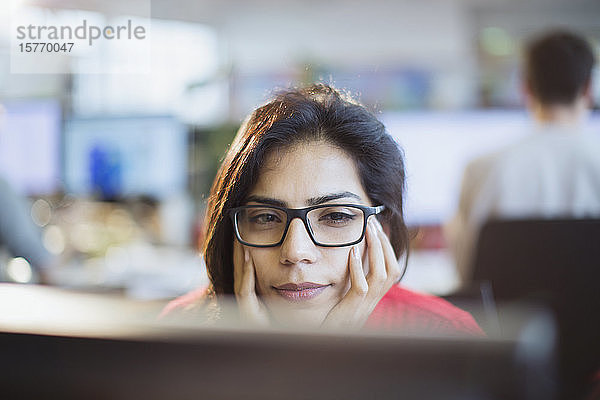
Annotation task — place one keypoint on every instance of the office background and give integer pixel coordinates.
(117, 166)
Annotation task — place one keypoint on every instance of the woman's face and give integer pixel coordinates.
(302, 176)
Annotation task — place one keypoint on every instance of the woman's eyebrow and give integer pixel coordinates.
(313, 201)
(266, 200)
(330, 197)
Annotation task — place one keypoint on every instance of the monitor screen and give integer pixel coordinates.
(114, 157)
(438, 147)
(30, 145)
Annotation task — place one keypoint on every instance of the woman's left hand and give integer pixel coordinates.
(366, 291)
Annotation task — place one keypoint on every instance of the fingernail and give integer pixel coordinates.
(246, 255)
(356, 252)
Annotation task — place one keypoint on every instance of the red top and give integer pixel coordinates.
(400, 309)
(420, 313)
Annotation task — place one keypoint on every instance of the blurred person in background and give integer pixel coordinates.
(552, 173)
(20, 237)
(305, 222)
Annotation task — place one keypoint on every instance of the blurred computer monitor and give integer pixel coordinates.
(30, 145)
(228, 365)
(116, 157)
(59, 344)
(439, 145)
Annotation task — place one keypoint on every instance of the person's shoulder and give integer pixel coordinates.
(480, 169)
(484, 161)
(413, 311)
(531, 138)
(588, 142)
(492, 170)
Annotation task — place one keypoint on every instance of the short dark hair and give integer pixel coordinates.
(315, 113)
(558, 67)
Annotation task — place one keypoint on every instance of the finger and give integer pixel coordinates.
(238, 265)
(358, 282)
(243, 274)
(377, 269)
(391, 262)
(251, 308)
(248, 286)
(351, 310)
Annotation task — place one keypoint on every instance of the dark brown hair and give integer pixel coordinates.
(558, 67)
(315, 113)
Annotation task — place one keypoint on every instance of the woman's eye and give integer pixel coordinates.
(337, 217)
(264, 218)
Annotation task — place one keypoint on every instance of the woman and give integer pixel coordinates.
(305, 224)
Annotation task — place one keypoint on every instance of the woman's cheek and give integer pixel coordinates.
(339, 265)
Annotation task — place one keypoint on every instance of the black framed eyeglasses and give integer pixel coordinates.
(328, 225)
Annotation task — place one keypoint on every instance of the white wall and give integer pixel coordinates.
(355, 33)
(277, 35)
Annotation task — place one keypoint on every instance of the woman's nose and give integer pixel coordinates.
(297, 246)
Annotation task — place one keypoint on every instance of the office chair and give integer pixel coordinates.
(554, 263)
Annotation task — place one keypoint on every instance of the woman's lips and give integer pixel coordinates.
(300, 291)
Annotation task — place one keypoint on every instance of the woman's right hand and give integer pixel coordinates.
(366, 291)
(252, 310)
